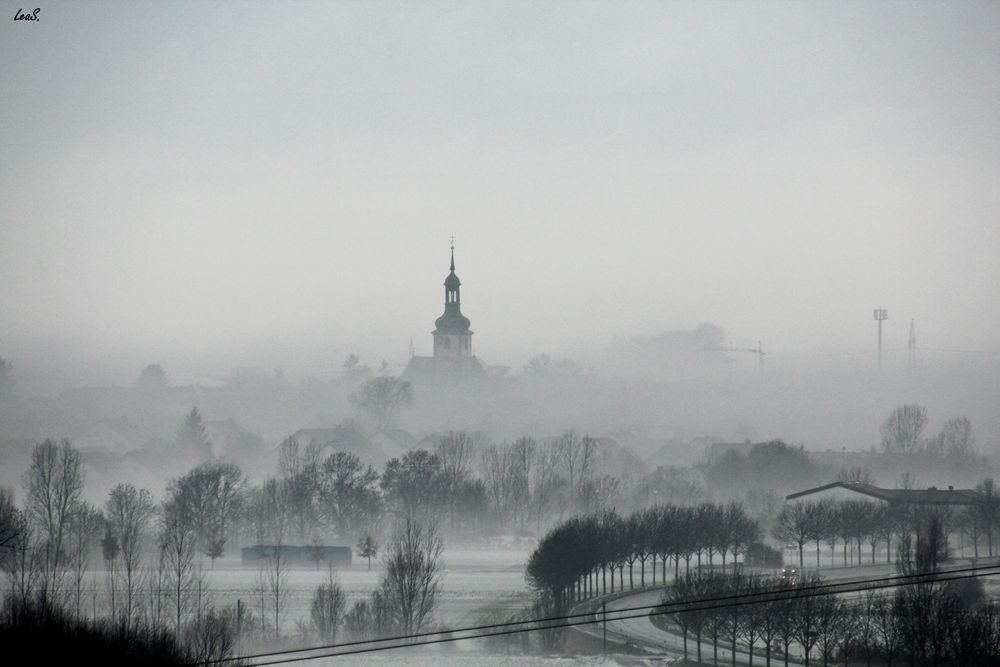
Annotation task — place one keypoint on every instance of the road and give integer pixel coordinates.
(640, 633)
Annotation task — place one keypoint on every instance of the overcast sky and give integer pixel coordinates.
(211, 185)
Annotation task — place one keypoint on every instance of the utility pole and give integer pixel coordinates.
(911, 362)
(880, 314)
(604, 617)
(239, 623)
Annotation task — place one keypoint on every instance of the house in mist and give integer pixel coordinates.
(453, 359)
(342, 438)
(717, 450)
(373, 450)
(227, 438)
(392, 443)
(929, 496)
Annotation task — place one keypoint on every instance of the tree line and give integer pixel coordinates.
(932, 622)
(153, 580)
(471, 486)
(860, 526)
(572, 560)
(46, 549)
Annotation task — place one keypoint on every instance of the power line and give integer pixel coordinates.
(953, 351)
(818, 589)
(810, 593)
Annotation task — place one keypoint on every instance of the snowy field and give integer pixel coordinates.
(430, 659)
(475, 581)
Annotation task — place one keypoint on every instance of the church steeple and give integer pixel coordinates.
(452, 337)
(452, 284)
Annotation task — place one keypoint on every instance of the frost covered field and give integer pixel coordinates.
(434, 659)
(475, 581)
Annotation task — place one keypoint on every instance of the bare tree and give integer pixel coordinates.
(768, 615)
(54, 484)
(506, 470)
(128, 511)
(301, 486)
(271, 506)
(211, 637)
(806, 615)
(887, 629)
(549, 493)
(956, 441)
(369, 618)
(380, 398)
(177, 546)
(17, 552)
(349, 500)
(413, 570)
(855, 475)
(795, 524)
(901, 431)
(456, 453)
(988, 510)
(327, 609)
(829, 614)
(209, 498)
(10, 521)
(110, 550)
(84, 530)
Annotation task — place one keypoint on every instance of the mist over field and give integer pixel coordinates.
(336, 322)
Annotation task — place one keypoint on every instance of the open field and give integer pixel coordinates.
(475, 581)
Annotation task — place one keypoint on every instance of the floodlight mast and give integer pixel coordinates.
(880, 315)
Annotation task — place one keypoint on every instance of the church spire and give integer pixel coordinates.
(452, 338)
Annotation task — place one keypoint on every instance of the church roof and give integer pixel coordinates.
(452, 322)
(432, 369)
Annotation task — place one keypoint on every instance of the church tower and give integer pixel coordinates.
(452, 337)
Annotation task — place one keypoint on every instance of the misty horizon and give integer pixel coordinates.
(281, 198)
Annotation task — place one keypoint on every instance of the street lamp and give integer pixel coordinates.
(880, 315)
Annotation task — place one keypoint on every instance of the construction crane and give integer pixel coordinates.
(759, 351)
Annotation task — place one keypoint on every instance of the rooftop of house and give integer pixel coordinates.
(928, 496)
